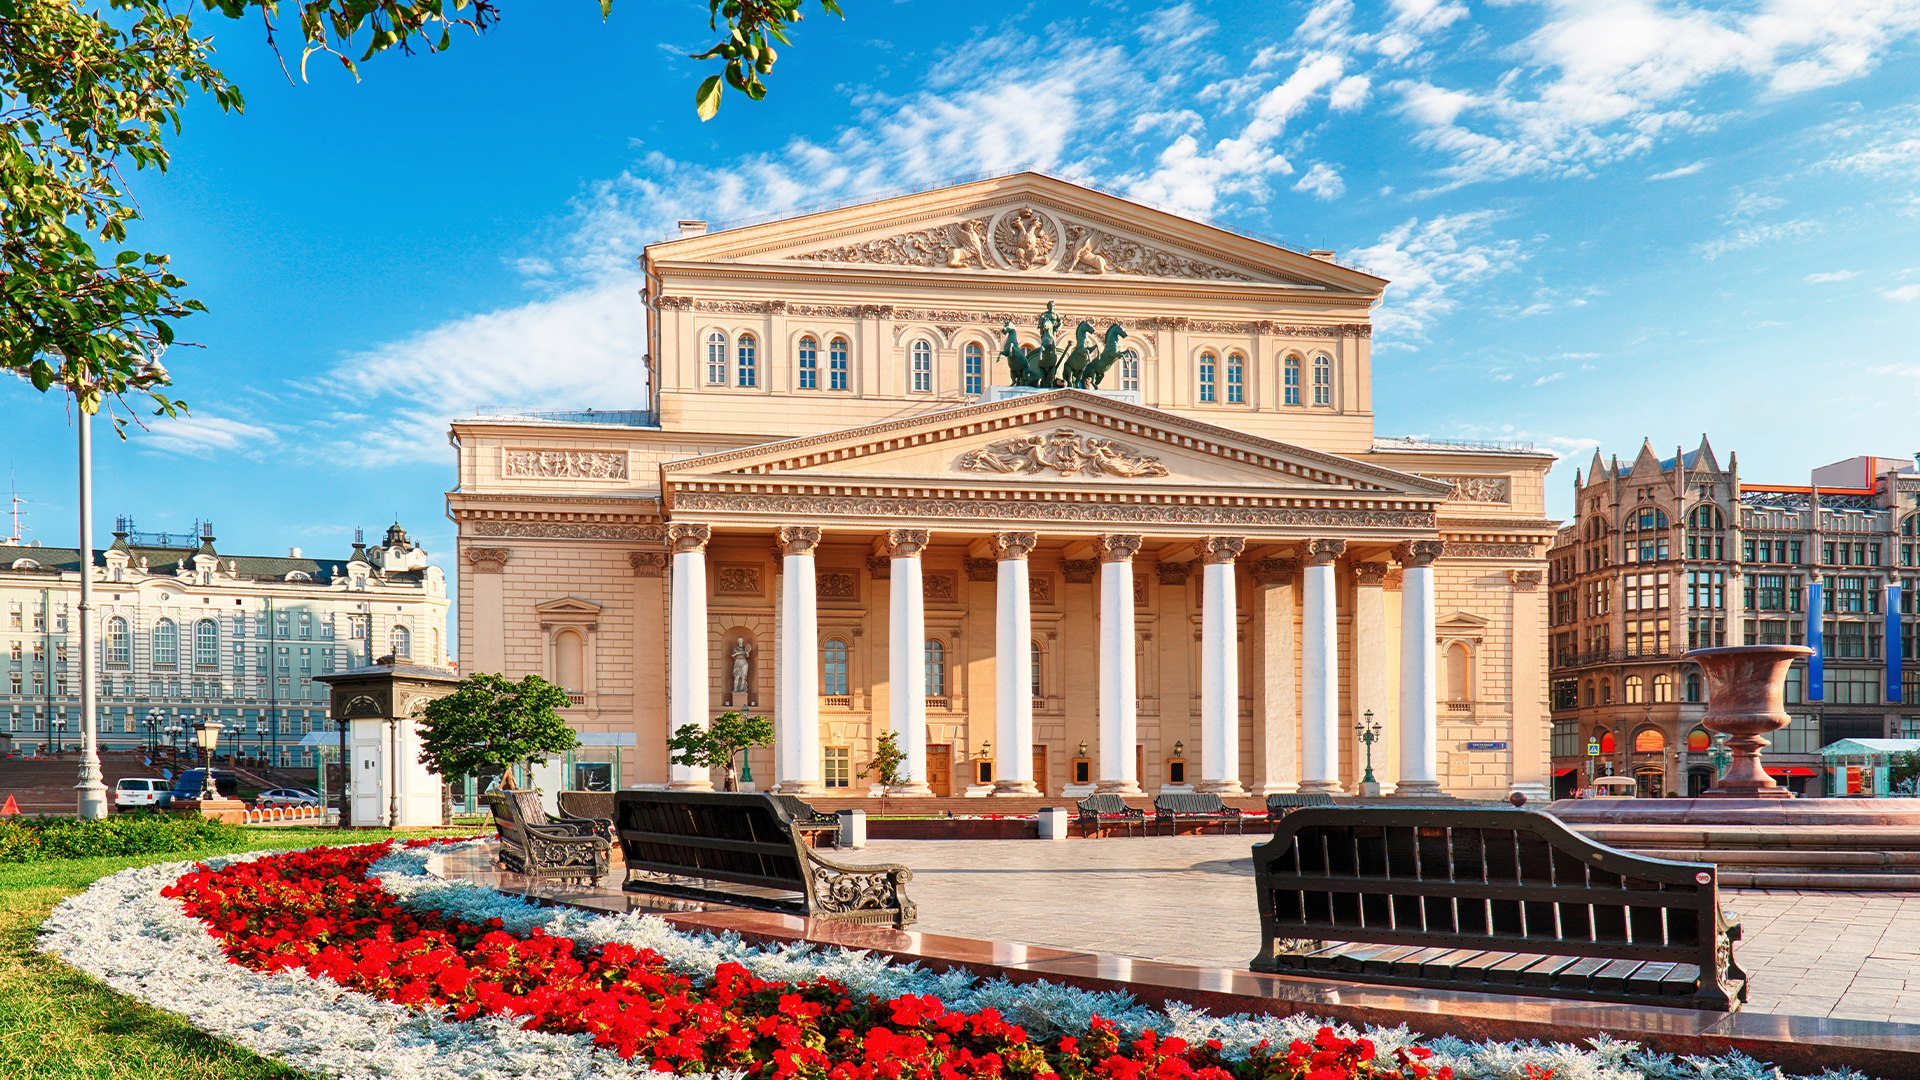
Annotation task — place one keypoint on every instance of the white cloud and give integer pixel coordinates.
(1905, 294)
(1834, 275)
(202, 436)
(1321, 182)
(1545, 379)
(1350, 93)
(1675, 174)
(1751, 236)
(1426, 262)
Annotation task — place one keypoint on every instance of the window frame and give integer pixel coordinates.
(1205, 372)
(166, 644)
(920, 366)
(1236, 379)
(836, 683)
(1323, 380)
(839, 364)
(206, 645)
(1291, 380)
(717, 367)
(746, 350)
(807, 363)
(974, 368)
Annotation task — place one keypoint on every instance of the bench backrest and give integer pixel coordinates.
(1104, 804)
(587, 804)
(508, 822)
(735, 837)
(1194, 803)
(528, 804)
(1488, 878)
(796, 808)
(1295, 802)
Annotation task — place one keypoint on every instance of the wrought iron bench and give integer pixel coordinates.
(546, 850)
(1203, 807)
(815, 826)
(1492, 900)
(1096, 812)
(578, 823)
(740, 848)
(1278, 806)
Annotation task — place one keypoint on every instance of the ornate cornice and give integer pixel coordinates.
(1525, 580)
(1171, 511)
(564, 530)
(1471, 550)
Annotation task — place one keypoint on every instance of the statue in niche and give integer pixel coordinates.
(741, 651)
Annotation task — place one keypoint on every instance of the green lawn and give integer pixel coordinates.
(58, 1024)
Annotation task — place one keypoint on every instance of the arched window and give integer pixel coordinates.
(1607, 745)
(1662, 688)
(1034, 668)
(1323, 380)
(1129, 370)
(1698, 741)
(809, 363)
(1648, 518)
(1459, 673)
(716, 359)
(1590, 698)
(1293, 380)
(119, 649)
(401, 643)
(837, 364)
(1634, 688)
(1693, 688)
(1596, 528)
(923, 367)
(166, 644)
(1207, 364)
(206, 644)
(569, 661)
(976, 368)
(434, 658)
(1236, 379)
(936, 668)
(1606, 691)
(748, 367)
(833, 668)
(1648, 740)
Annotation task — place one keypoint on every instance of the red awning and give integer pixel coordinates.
(1567, 772)
(1791, 772)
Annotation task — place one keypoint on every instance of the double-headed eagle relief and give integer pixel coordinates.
(1065, 451)
(1054, 364)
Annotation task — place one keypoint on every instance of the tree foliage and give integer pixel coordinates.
(490, 723)
(720, 744)
(888, 760)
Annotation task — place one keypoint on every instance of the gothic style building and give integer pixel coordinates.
(836, 509)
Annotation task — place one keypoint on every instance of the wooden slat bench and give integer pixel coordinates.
(577, 824)
(741, 848)
(1492, 900)
(558, 851)
(814, 826)
(1103, 811)
(1278, 806)
(1203, 807)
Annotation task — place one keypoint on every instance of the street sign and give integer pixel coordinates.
(1593, 747)
(1486, 746)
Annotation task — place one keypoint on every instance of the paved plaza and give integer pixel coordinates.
(1190, 900)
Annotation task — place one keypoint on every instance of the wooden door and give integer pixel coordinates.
(940, 769)
(1040, 768)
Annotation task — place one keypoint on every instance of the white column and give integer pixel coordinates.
(1279, 765)
(907, 658)
(688, 679)
(796, 736)
(1013, 645)
(1419, 711)
(1219, 665)
(1320, 670)
(1119, 682)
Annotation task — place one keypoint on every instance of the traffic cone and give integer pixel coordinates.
(11, 807)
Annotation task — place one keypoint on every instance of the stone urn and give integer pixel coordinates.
(1746, 691)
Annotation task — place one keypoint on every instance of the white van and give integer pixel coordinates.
(136, 791)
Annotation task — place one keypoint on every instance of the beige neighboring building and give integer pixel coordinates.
(834, 511)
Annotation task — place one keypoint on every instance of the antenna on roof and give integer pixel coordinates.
(14, 503)
(359, 535)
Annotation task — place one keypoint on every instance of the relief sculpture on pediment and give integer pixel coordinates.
(952, 245)
(1066, 451)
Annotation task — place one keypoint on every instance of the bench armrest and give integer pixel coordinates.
(843, 887)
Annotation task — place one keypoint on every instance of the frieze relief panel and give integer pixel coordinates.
(1482, 489)
(562, 530)
(737, 580)
(564, 465)
(721, 502)
(834, 585)
(1065, 451)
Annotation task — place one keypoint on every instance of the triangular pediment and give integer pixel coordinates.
(1462, 621)
(1059, 439)
(1026, 225)
(567, 605)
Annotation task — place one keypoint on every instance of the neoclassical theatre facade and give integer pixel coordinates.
(836, 511)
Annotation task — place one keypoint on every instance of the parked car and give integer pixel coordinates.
(287, 797)
(187, 784)
(138, 792)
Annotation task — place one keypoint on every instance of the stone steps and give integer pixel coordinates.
(1842, 857)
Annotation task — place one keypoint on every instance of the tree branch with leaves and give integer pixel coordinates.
(720, 744)
(490, 723)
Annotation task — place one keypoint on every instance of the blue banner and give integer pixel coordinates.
(1893, 642)
(1816, 670)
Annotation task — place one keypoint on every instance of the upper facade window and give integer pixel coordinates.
(748, 367)
(837, 364)
(1207, 366)
(1323, 380)
(206, 644)
(1236, 379)
(1130, 370)
(166, 643)
(1292, 387)
(809, 364)
(716, 359)
(119, 645)
(976, 368)
(922, 364)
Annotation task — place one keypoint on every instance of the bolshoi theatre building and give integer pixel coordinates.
(858, 500)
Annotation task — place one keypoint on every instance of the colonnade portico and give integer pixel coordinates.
(797, 686)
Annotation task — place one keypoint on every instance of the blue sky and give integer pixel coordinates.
(1604, 220)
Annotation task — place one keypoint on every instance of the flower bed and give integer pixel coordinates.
(431, 973)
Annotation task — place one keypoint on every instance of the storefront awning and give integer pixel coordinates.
(1790, 772)
(1567, 772)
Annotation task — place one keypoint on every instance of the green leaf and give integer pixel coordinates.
(706, 100)
(606, 8)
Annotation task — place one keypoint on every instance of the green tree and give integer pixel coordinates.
(887, 759)
(722, 742)
(89, 86)
(1903, 772)
(492, 723)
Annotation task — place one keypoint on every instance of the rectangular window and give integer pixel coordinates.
(1647, 637)
(836, 770)
(306, 659)
(1293, 380)
(1848, 594)
(1236, 382)
(837, 364)
(975, 370)
(13, 616)
(1846, 640)
(39, 616)
(1827, 551)
(1853, 686)
(809, 364)
(1206, 378)
(306, 625)
(922, 369)
(749, 365)
(717, 359)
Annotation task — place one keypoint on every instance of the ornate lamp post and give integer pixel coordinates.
(173, 731)
(154, 716)
(1368, 732)
(206, 732)
(58, 727)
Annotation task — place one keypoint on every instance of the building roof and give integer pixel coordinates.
(1866, 747)
(245, 567)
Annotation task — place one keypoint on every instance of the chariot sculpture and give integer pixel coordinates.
(1050, 364)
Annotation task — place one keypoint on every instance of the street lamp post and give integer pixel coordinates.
(92, 791)
(154, 716)
(173, 731)
(206, 731)
(58, 726)
(1368, 732)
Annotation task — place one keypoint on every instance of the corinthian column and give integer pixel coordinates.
(1319, 670)
(1013, 644)
(688, 680)
(1219, 665)
(1119, 682)
(1419, 711)
(907, 659)
(796, 736)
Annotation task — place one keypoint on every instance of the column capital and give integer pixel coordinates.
(906, 543)
(488, 560)
(1419, 553)
(1013, 545)
(686, 536)
(1323, 552)
(1373, 574)
(797, 539)
(1275, 571)
(647, 563)
(1219, 549)
(1524, 580)
(1119, 547)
